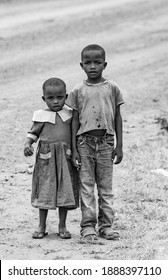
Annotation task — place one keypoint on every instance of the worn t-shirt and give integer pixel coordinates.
(96, 105)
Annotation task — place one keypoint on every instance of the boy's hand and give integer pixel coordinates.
(76, 159)
(118, 153)
(28, 150)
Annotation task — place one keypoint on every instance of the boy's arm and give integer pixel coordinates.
(75, 127)
(118, 152)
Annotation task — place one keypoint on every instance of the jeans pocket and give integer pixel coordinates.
(110, 141)
(80, 141)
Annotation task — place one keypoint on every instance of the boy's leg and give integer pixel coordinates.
(87, 177)
(104, 172)
(62, 231)
(40, 233)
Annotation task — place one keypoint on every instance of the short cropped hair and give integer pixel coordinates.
(54, 82)
(93, 47)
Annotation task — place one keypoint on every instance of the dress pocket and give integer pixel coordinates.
(45, 156)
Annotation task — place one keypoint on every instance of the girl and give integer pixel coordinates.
(55, 180)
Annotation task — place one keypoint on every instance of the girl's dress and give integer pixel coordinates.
(55, 181)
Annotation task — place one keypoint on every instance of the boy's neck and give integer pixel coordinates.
(95, 81)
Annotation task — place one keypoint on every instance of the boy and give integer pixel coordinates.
(96, 118)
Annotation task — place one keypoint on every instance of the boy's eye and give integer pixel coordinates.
(86, 62)
(60, 97)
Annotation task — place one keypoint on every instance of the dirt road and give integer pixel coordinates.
(42, 39)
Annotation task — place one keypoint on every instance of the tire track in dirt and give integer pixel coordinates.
(32, 12)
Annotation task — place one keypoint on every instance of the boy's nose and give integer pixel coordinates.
(92, 65)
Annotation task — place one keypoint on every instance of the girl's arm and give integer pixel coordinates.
(118, 152)
(28, 148)
(75, 127)
(32, 137)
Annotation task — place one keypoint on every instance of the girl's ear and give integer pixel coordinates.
(43, 98)
(81, 64)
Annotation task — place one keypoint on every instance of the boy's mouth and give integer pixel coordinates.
(93, 72)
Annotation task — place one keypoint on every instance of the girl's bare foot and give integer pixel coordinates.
(63, 233)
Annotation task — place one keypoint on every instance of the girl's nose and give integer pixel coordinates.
(55, 100)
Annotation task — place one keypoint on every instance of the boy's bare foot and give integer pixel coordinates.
(109, 234)
(90, 238)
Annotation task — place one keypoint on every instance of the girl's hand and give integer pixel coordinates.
(118, 153)
(76, 159)
(28, 150)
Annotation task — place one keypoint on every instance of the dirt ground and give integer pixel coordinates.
(42, 39)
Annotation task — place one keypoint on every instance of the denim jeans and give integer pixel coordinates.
(96, 167)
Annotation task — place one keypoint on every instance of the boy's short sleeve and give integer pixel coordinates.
(119, 97)
(72, 100)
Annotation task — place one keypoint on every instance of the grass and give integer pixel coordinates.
(142, 201)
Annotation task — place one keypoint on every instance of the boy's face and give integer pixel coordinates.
(93, 64)
(55, 97)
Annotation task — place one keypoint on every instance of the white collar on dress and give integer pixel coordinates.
(50, 116)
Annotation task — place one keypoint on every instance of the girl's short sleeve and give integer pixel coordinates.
(35, 130)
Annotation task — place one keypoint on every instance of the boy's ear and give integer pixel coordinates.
(81, 64)
(43, 98)
(105, 64)
(66, 96)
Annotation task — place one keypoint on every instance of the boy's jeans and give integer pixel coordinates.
(96, 167)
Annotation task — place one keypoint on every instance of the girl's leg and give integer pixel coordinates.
(63, 232)
(40, 233)
(42, 220)
(62, 219)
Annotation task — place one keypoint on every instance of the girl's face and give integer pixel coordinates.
(55, 97)
(93, 64)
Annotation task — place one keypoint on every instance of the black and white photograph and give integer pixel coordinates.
(84, 130)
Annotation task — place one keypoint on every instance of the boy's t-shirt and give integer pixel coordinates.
(96, 105)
